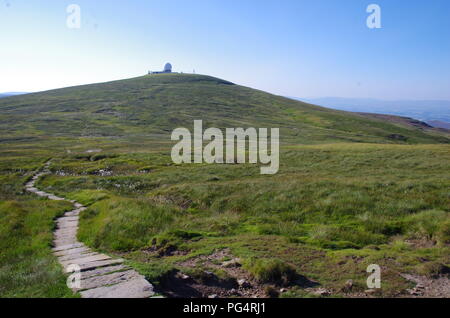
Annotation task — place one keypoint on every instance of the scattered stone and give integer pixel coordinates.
(414, 292)
(233, 291)
(232, 263)
(209, 274)
(182, 276)
(272, 292)
(321, 292)
(105, 173)
(244, 284)
(348, 286)
(370, 291)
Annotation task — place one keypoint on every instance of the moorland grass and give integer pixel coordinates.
(343, 202)
(27, 266)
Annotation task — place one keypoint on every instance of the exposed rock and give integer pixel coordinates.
(234, 291)
(370, 291)
(348, 286)
(232, 263)
(180, 275)
(243, 283)
(321, 292)
(209, 274)
(105, 173)
(272, 292)
(435, 286)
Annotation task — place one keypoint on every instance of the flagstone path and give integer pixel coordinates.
(101, 275)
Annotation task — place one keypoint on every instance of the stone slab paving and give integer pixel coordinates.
(127, 289)
(98, 264)
(101, 275)
(75, 256)
(68, 247)
(108, 279)
(105, 270)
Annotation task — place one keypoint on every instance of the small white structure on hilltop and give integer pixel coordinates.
(167, 69)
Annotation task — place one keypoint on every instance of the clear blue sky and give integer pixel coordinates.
(305, 48)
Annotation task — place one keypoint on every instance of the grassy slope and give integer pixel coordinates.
(27, 267)
(322, 214)
(155, 105)
(329, 204)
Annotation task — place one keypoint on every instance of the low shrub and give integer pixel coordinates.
(271, 271)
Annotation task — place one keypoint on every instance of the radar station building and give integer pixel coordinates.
(167, 69)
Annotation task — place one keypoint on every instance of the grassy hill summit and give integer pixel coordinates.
(154, 105)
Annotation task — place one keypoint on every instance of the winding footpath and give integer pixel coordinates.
(100, 276)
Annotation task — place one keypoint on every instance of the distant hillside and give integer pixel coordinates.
(424, 110)
(154, 105)
(8, 94)
(439, 124)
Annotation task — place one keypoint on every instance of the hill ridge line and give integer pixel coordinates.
(101, 276)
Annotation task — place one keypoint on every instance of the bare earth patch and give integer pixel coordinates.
(428, 287)
(237, 281)
(234, 280)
